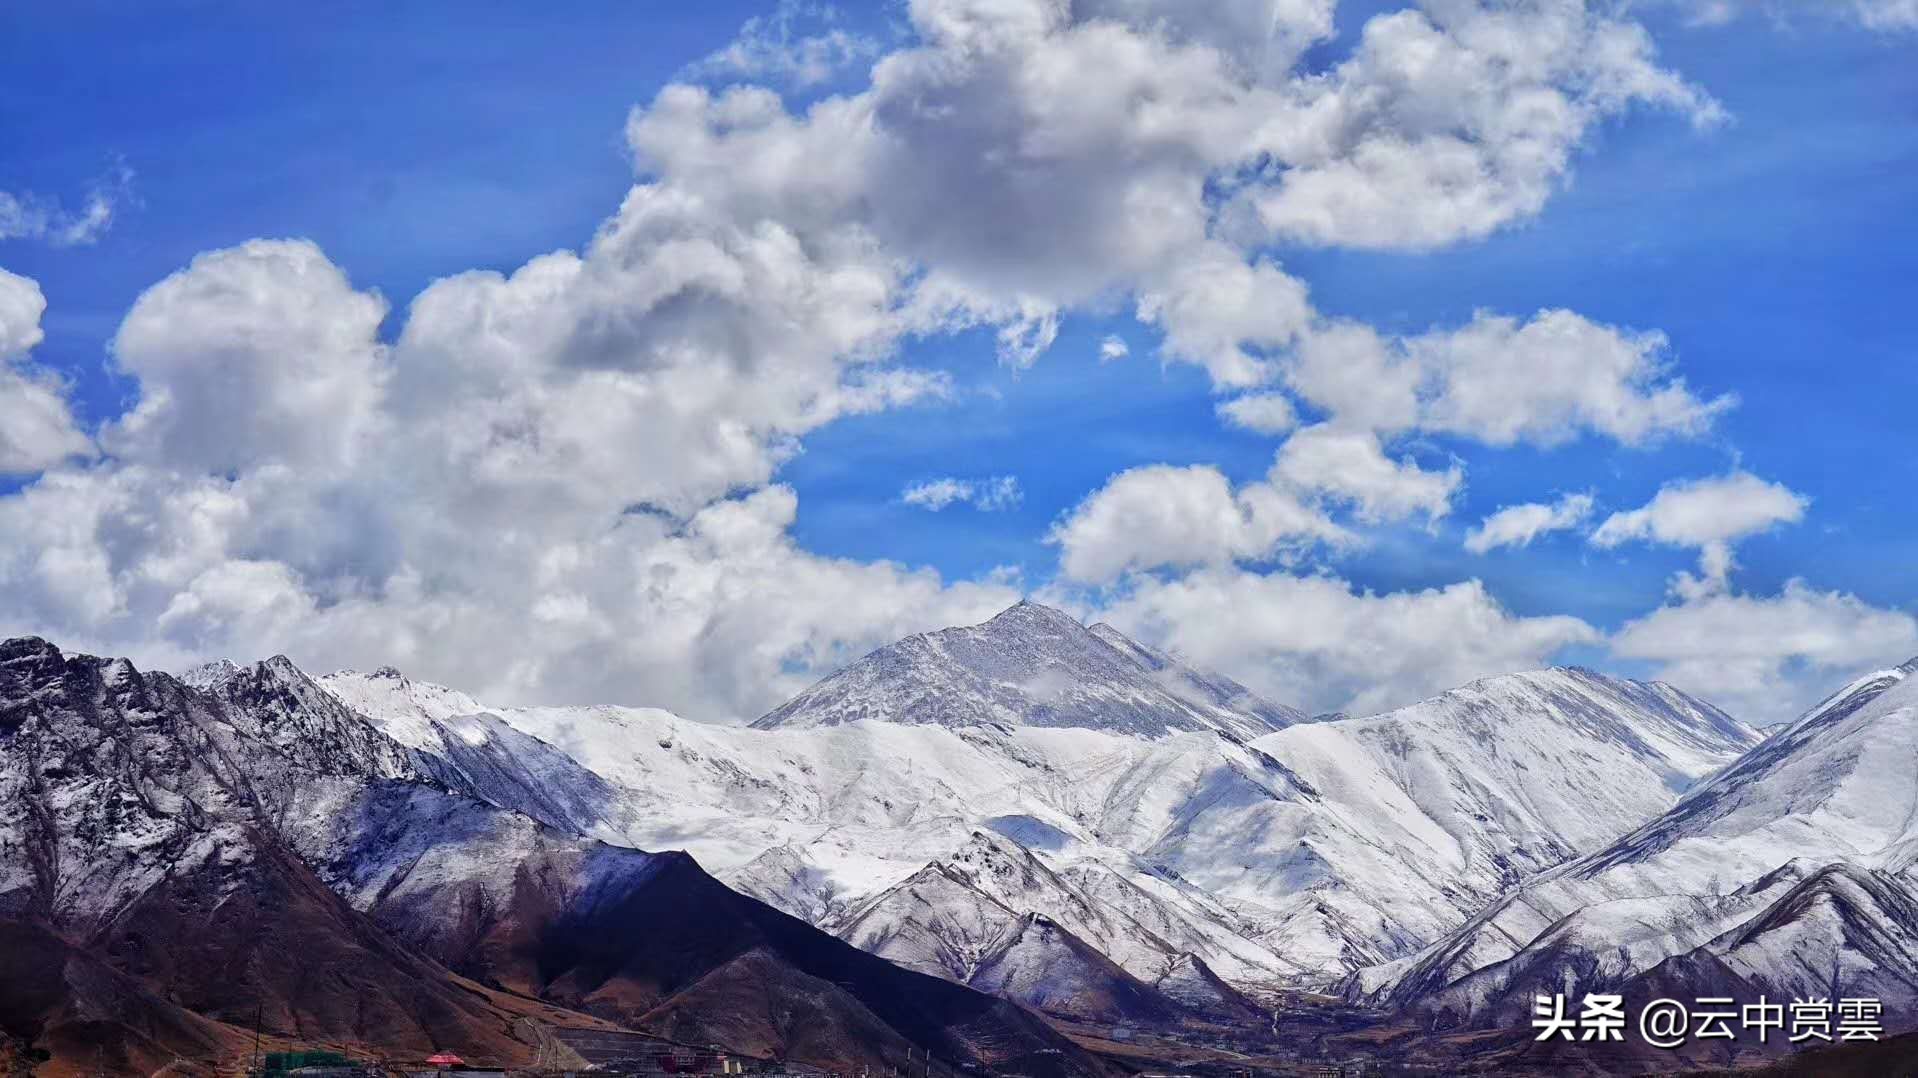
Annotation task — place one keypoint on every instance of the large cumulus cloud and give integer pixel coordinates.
(561, 482)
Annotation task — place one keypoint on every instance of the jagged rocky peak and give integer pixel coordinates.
(37, 678)
(209, 674)
(24, 659)
(19, 647)
(215, 675)
(1032, 665)
(112, 779)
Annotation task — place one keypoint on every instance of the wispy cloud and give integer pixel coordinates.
(987, 495)
(30, 216)
(799, 45)
(1518, 525)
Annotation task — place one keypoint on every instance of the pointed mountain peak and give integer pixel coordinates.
(1025, 612)
(28, 649)
(283, 667)
(209, 675)
(1032, 665)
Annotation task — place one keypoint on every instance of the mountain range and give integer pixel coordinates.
(1287, 859)
(959, 845)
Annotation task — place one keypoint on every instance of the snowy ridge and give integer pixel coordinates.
(480, 754)
(1032, 666)
(1792, 866)
(1318, 850)
(967, 917)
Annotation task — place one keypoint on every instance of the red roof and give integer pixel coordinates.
(446, 1059)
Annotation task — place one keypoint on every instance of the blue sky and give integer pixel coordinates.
(1775, 252)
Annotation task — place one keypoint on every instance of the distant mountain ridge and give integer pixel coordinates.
(1793, 871)
(1292, 859)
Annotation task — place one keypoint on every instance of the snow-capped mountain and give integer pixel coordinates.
(160, 825)
(255, 851)
(817, 821)
(1790, 871)
(1313, 851)
(1031, 666)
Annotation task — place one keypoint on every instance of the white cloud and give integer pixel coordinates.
(1033, 155)
(21, 306)
(1450, 122)
(1166, 516)
(1708, 515)
(800, 45)
(1695, 513)
(589, 443)
(1112, 348)
(1884, 15)
(37, 429)
(1263, 39)
(986, 495)
(1767, 659)
(1263, 413)
(286, 482)
(1547, 379)
(1887, 14)
(1518, 525)
(1225, 315)
(255, 354)
(1500, 381)
(29, 216)
(1358, 376)
(1351, 466)
(1320, 643)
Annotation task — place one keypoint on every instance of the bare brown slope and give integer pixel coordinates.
(70, 1013)
(278, 944)
(675, 952)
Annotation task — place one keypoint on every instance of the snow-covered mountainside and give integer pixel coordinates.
(468, 748)
(1031, 666)
(977, 916)
(818, 821)
(1311, 852)
(1791, 869)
